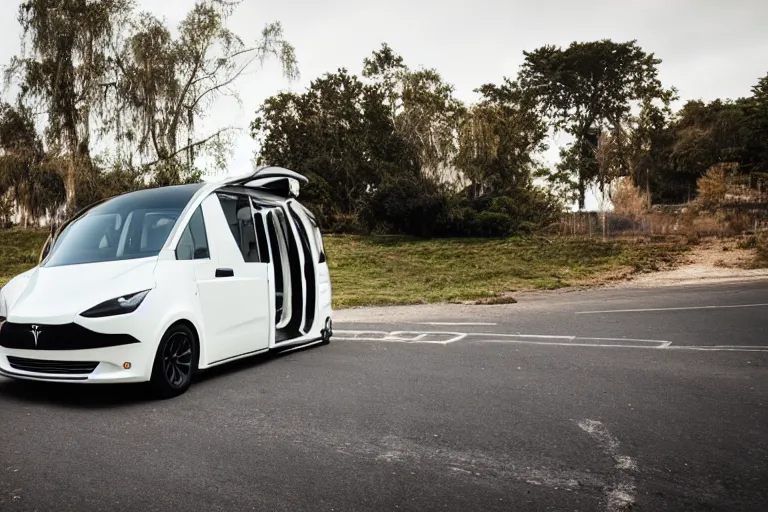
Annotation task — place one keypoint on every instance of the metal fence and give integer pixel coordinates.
(732, 220)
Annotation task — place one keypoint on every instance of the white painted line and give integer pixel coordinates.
(534, 339)
(688, 308)
(455, 323)
(720, 349)
(565, 344)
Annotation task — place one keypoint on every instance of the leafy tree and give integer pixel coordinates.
(25, 172)
(165, 85)
(756, 120)
(421, 107)
(499, 139)
(336, 132)
(65, 58)
(585, 88)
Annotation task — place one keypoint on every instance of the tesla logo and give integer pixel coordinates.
(36, 333)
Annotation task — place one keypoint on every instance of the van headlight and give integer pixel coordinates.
(119, 306)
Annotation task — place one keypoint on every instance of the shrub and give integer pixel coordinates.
(494, 224)
(712, 187)
(628, 200)
(407, 205)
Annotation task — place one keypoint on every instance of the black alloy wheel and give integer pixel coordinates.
(174, 362)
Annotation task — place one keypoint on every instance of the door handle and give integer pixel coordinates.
(225, 272)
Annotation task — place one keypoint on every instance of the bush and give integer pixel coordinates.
(418, 206)
(494, 224)
(409, 205)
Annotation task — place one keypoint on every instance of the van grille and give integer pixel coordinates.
(52, 367)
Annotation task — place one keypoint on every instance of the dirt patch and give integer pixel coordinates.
(713, 260)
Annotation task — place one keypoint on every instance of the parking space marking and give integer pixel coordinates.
(447, 337)
(687, 308)
(434, 337)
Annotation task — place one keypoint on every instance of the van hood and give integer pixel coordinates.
(56, 295)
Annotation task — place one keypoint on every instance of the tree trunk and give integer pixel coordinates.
(69, 186)
(582, 192)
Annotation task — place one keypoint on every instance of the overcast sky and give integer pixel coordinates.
(709, 48)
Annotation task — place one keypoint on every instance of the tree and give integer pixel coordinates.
(756, 121)
(26, 174)
(584, 89)
(499, 139)
(164, 86)
(421, 107)
(65, 58)
(338, 133)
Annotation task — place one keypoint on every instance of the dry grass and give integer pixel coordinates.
(628, 200)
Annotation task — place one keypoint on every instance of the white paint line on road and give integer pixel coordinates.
(721, 348)
(455, 323)
(446, 337)
(687, 308)
(564, 344)
(621, 495)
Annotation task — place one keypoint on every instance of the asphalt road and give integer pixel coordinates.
(559, 402)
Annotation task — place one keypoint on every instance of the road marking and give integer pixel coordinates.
(455, 323)
(445, 337)
(621, 495)
(434, 337)
(688, 308)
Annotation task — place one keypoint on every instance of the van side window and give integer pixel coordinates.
(237, 211)
(193, 244)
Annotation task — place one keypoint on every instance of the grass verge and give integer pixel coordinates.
(387, 270)
(19, 251)
(397, 270)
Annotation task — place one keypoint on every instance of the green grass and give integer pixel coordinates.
(19, 251)
(397, 270)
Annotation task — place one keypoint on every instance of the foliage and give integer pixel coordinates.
(629, 200)
(587, 88)
(111, 99)
(104, 74)
(713, 185)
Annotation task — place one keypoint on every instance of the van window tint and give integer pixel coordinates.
(134, 225)
(237, 211)
(193, 244)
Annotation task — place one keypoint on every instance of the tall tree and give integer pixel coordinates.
(422, 108)
(586, 87)
(337, 132)
(27, 176)
(165, 85)
(499, 139)
(65, 58)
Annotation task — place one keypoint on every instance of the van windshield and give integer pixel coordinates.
(131, 226)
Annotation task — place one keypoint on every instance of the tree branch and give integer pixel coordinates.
(190, 146)
(227, 82)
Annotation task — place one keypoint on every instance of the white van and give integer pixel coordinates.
(153, 285)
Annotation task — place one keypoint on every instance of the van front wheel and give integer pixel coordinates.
(172, 370)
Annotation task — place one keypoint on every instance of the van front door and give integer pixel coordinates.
(235, 299)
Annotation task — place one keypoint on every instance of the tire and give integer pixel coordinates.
(327, 332)
(174, 362)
